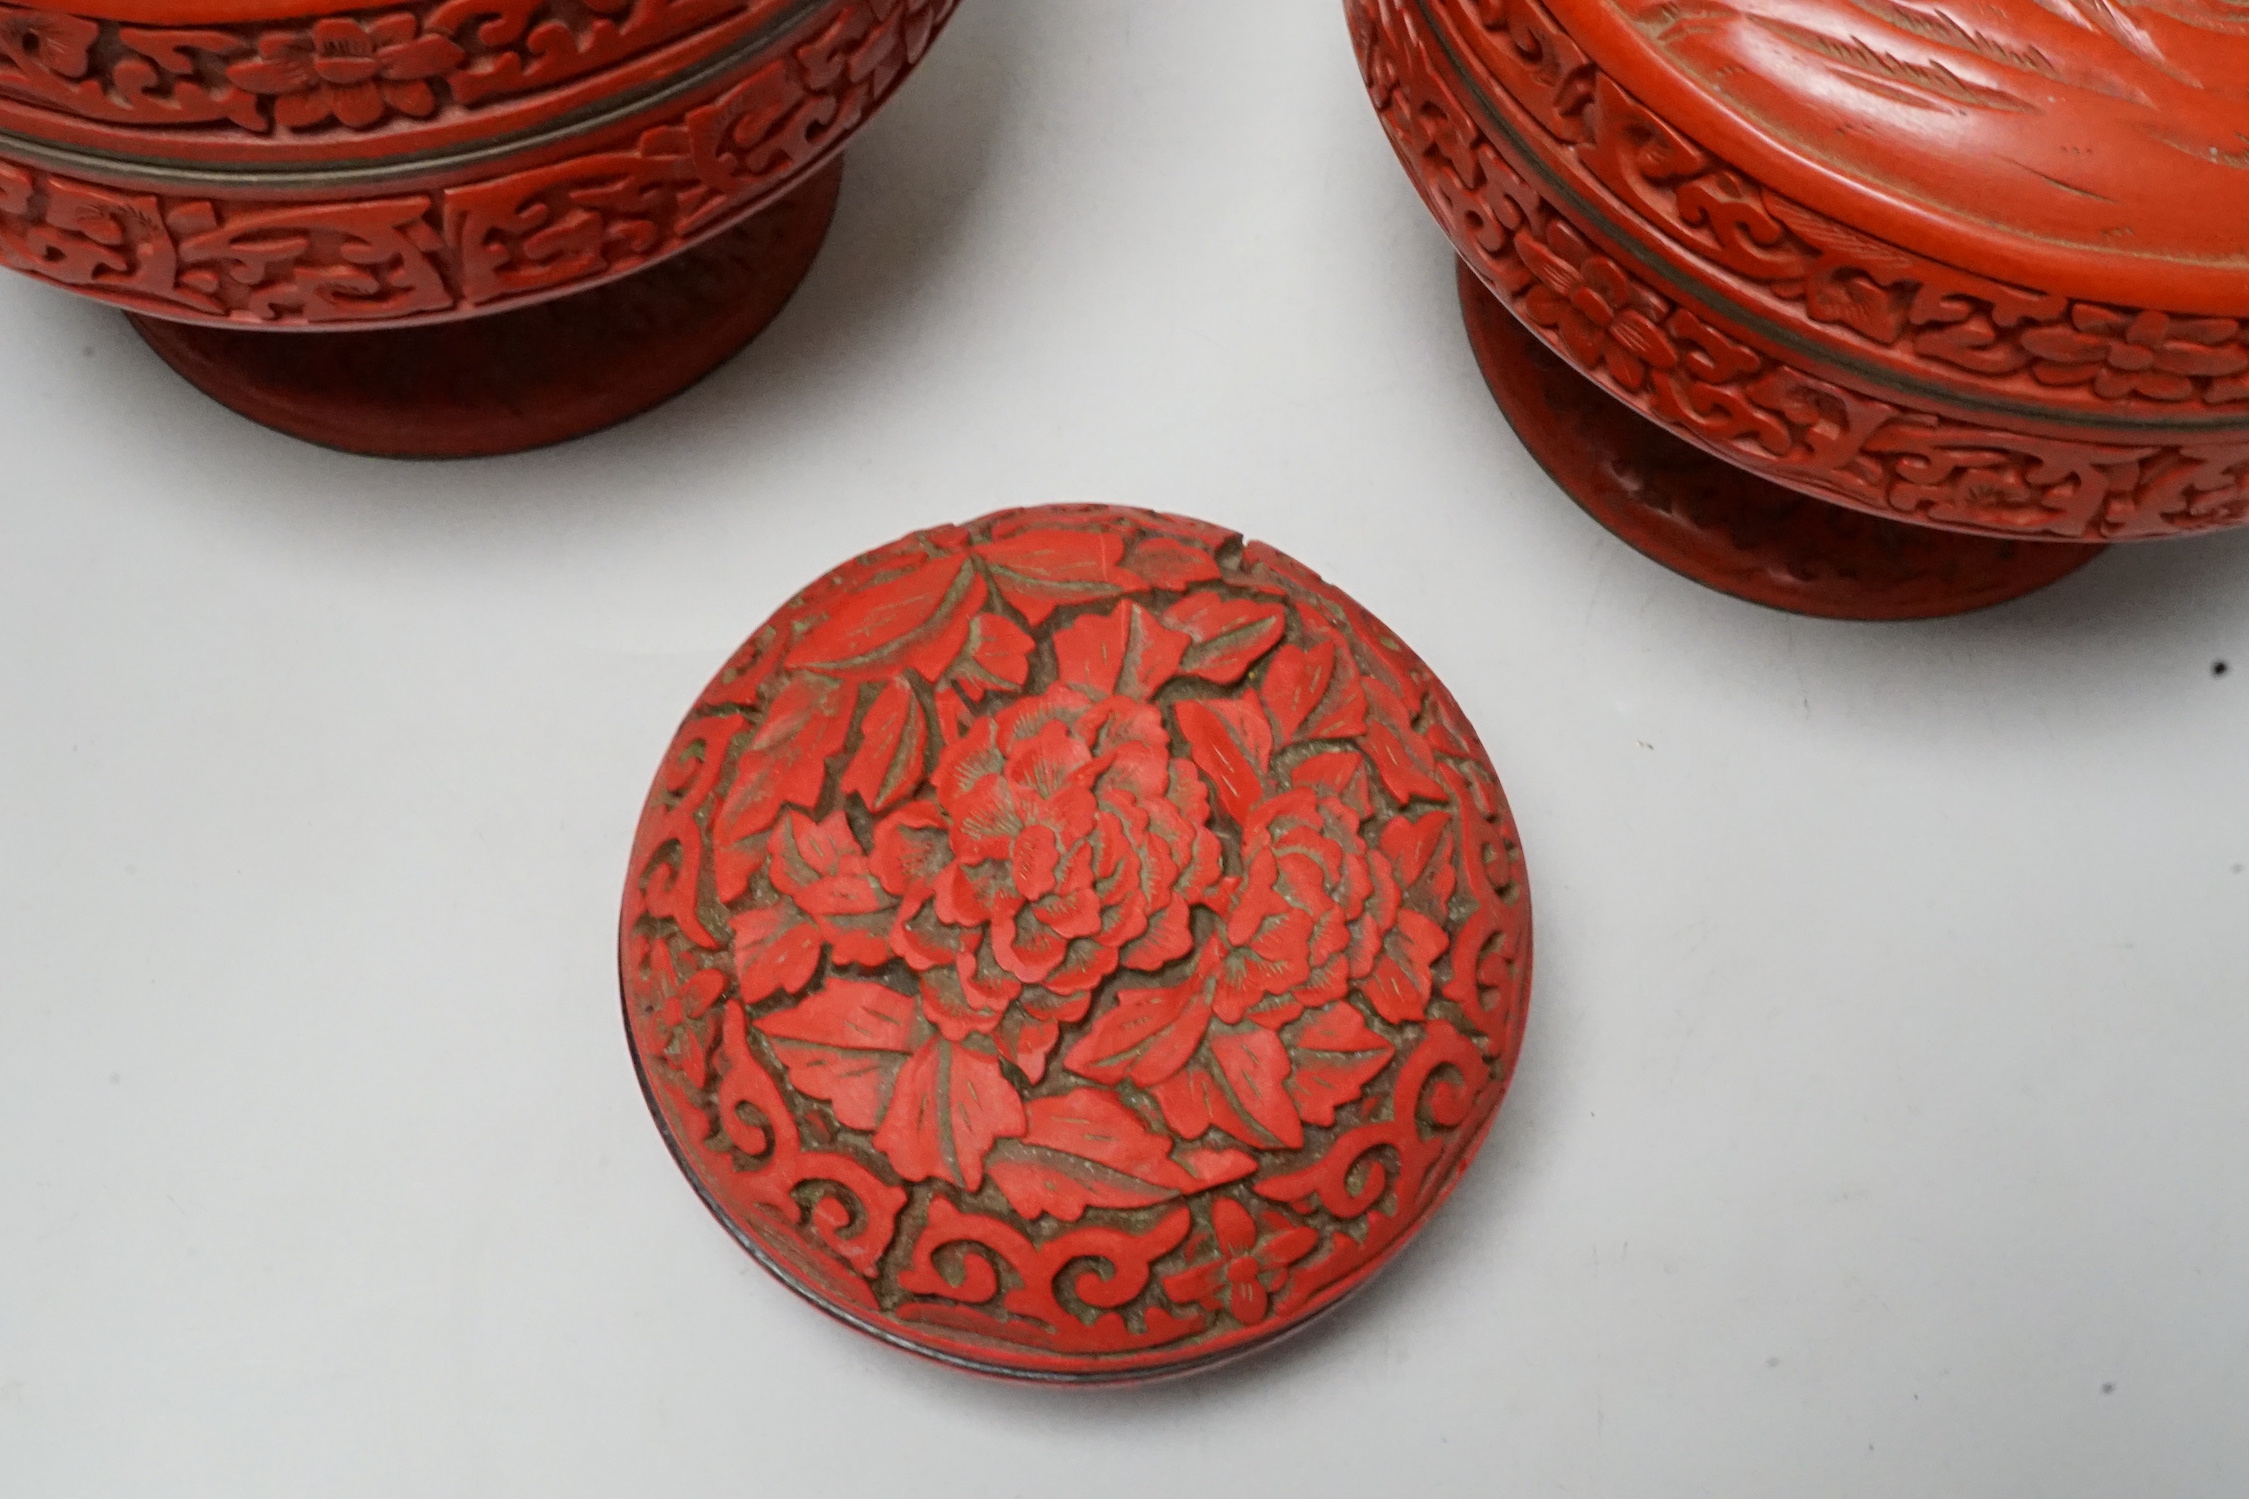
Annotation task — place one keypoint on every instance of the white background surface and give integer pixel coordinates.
(1881, 1129)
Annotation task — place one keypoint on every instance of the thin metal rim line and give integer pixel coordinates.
(1711, 295)
(295, 178)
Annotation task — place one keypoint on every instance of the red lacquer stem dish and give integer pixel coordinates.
(1977, 271)
(1079, 945)
(225, 169)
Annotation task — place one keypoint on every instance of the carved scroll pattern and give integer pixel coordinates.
(359, 71)
(1679, 368)
(532, 233)
(1838, 277)
(1078, 933)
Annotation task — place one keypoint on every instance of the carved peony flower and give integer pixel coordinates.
(351, 71)
(1028, 894)
(1247, 1262)
(1602, 315)
(2149, 354)
(1064, 843)
(1308, 913)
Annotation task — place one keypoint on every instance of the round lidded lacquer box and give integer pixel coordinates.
(1078, 945)
(1888, 309)
(438, 229)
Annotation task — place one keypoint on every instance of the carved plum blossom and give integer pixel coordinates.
(354, 72)
(1243, 1262)
(1603, 315)
(2151, 354)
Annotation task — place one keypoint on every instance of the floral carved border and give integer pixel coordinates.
(356, 72)
(1681, 367)
(1076, 943)
(530, 234)
(1942, 322)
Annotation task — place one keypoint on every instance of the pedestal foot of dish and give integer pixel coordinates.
(1723, 526)
(522, 379)
(1978, 281)
(441, 231)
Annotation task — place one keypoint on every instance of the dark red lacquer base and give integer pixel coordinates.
(520, 379)
(1724, 527)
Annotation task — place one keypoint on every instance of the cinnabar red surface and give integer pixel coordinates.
(1729, 530)
(1078, 945)
(1963, 272)
(272, 166)
(525, 377)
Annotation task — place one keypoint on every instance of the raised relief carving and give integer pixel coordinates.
(481, 245)
(1678, 360)
(1076, 942)
(350, 72)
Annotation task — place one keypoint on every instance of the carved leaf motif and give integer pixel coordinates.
(1342, 714)
(785, 765)
(1085, 1149)
(1232, 742)
(1229, 634)
(1147, 1036)
(1336, 1054)
(1040, 571)
(1170, 564)
(820, 866)
(936, 1109)
(1127, 652)
(998, 659)
(845, 1045)
(1399, 986)
(775, 951)
(950, 1105)
(1400, 755)
(1239, 1083)
(1253, 1067)
(1295, 681)
(1342, 773)
(1411, 843)
(918, 621)
(893, 749)
(1033, 1026)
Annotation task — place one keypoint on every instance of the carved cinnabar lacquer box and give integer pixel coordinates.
(438, 229)
(1077, 945)
(1867, 308)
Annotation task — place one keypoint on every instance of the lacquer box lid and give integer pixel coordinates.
(1078, 945)
(2073, 146)
(1983, 265)
(425, 89)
